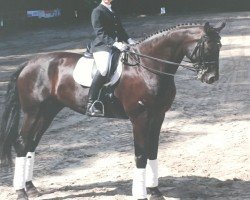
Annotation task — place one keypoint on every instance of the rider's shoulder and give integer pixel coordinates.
(98, 10)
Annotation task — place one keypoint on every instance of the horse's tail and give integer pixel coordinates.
(10, 119)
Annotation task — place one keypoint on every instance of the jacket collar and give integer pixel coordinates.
(107, 6)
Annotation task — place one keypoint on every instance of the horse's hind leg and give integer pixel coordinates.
(35, 124)
(21, 147)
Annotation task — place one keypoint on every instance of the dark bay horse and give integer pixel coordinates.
(44, 86)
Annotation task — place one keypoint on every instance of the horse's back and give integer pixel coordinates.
(44, 74)
(45, 62)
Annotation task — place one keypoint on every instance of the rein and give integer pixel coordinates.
(159, 73)
(195, 68)
(161, 60)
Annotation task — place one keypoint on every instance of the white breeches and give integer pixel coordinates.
(102, 61)
(145, 178)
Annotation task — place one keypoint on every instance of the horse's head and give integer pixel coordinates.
(204, 53)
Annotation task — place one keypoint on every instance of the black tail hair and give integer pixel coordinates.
(10, 119)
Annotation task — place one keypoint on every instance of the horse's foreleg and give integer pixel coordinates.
(140, 131)
(155, 123)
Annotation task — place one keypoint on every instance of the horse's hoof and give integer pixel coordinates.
(21, 195)
(152, 197)
(31, 190)
(155, 194)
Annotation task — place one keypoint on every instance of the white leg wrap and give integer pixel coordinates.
(139, 187)
(29, 166)
(19, 175)
(152, 173)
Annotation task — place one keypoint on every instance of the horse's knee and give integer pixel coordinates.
(141, 161)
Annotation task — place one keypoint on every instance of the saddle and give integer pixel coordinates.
(85, 70)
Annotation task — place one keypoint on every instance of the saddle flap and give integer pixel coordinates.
(82, 73)
(85, 70)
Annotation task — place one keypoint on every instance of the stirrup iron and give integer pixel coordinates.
(97, 104)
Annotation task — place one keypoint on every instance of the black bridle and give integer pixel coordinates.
(198, 63)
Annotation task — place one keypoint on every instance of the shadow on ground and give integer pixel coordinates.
(188, 187)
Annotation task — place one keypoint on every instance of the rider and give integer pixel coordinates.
(109, 33)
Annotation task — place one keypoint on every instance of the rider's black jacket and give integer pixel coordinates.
(108, 29)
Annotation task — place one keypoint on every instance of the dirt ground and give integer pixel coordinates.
(205, 138)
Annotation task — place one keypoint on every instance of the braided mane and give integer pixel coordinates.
(187, 25)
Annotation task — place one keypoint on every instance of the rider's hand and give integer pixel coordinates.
(121, 46)
(131, 41)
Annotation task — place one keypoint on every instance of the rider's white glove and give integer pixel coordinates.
(131, 41)
(121, 46)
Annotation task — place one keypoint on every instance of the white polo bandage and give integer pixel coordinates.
(19, 174)
(30, 158)
(152, 173)
(139, 187)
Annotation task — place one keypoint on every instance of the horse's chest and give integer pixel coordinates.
(169, 97)
(164, 95)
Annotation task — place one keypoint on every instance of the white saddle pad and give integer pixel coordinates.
(82, 73)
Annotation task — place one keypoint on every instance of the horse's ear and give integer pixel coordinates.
(219, 26)
(207, 27)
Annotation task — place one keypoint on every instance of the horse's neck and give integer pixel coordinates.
(165, 46)
(170, 44)
(159, 45)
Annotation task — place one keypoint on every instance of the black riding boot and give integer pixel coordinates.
(93, 108)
